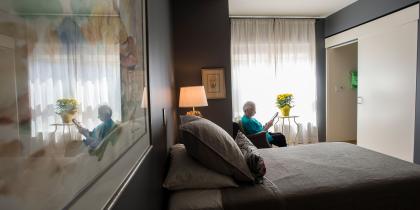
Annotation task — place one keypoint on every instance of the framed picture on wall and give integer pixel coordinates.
(214, 83)
(80, 146)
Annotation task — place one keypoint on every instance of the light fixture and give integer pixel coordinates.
(144, 100)
(192, 96)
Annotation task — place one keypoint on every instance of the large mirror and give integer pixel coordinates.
(73, 96)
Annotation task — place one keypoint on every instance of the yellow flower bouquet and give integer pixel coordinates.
(66, 108)
(284, 103)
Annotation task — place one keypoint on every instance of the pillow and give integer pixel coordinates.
(186, 173)
(185, 119)
(254, 160)
(188, 118)
(214, 148)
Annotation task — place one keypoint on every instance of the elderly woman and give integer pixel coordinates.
(252, 126)
(95, 137)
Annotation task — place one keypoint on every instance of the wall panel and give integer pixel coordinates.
(202, 40)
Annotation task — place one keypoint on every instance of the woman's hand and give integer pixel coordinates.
(83, 131)
(268, 125)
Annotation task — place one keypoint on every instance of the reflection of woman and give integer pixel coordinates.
(95, 137)
(252, 126)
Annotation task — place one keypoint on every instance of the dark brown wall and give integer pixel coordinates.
(145, 191)
(321, 79)
(202, 40)
(362, 11)
(417, 115)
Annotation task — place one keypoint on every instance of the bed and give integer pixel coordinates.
(317, 176)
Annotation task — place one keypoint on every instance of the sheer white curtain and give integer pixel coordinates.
(273, 56)
(63, 64)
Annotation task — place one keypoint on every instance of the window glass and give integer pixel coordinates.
(73, 96)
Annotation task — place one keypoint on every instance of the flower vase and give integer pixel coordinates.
(67, 117)
(285, 111)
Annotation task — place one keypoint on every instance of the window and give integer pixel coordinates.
(274, 56)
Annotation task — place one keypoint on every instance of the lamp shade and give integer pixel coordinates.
(193, 96)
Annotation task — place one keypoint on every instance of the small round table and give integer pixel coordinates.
(64, 125)
(289, 140)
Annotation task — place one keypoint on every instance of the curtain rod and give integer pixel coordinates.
(272, 17)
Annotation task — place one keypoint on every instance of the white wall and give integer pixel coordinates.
(387, 62)
(341, 98)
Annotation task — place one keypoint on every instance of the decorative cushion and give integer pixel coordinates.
(215, 148)
(254, 160)
(185, 119)
(186, 173)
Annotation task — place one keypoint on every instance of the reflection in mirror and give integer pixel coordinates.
(73, 96)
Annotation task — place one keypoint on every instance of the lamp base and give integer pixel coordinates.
(195, 113)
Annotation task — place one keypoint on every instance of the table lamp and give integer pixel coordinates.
(193, 96)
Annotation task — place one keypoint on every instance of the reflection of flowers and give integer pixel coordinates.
(128, 54)
(103, 29)
(66, 105)
(69, 31)
(108, 28)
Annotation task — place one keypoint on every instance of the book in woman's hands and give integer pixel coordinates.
(77, 123)
(274, 116)
(82, 130)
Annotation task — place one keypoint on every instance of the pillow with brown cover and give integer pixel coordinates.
(188, 118)
(214, 148)
(186, 173)
(253, 159)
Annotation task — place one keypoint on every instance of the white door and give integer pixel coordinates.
(387, 85)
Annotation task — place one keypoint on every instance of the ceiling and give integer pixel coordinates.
(288, 8)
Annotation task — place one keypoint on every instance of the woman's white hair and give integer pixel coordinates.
(248, 105)
(105, 109)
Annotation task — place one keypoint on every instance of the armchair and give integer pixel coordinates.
(258, 139)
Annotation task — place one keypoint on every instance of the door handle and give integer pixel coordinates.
(360, 100)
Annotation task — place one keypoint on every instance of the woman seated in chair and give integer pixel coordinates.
(251, 126)
(94, 138)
